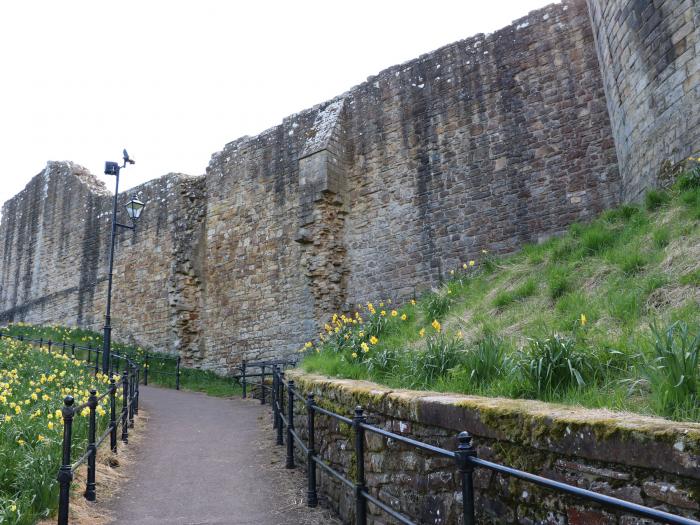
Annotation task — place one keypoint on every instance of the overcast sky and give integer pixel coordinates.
(173, 81)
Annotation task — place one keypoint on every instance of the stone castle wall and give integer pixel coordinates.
(486, 143)
(650, 58)
(644, 460)
(55, 239)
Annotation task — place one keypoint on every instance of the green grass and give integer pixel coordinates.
(162, 367)
(568, 320)
(33, 384)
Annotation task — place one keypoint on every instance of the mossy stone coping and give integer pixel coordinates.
(595, 434)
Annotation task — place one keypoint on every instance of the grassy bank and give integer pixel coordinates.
(33, 384)
(606, 315)
(162, 367)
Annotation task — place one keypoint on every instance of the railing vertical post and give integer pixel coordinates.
(243, 381)
(262, 385)
(72, 350)
(113, 413)
(145, 370)
(89, 359)
(125, 407)
(50, 343)
(136, 390)
(273, 397)
(360, 502)
(65, 474)
(290, 424)
(177, 374)
(63, 349)
(311, 495)
(91, 448)
(97, 361)
(464, 452)
(132, 394)
(280, 399)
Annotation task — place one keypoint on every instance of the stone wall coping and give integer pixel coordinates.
(597, 434)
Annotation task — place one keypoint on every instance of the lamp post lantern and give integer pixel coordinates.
(133, 208)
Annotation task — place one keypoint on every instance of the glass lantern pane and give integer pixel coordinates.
(134, 208)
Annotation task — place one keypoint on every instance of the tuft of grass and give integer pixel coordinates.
(661, 238)
(630, 260)
(654, 199)
(691, 278)
(441, 355)
(553, 365)
(526, 289)
(435, 305)
(596, 239)
(558, 281)
(486, 361)
(674, 374)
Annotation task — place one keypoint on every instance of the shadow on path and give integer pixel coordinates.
(205, 460)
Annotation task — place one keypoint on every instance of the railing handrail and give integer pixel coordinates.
(464, 456)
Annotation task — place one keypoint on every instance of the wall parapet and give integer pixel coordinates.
(645, 460)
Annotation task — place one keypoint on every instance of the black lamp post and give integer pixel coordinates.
(133, 208)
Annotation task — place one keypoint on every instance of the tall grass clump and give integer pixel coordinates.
(486, 361)
(553, 365)
(441, 355)
(435, 305)
(674, 374)
(654, 199)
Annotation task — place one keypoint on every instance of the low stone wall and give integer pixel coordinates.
(644, 460)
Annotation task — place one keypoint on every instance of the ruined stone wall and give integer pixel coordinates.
(55, 241)
(649, 54)
(486, 143)
(644, 460)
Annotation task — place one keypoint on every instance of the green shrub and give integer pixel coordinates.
(654, 199)
(551, 366)
(435, 305)
(487, 360)
(674, 374)
(442, 354)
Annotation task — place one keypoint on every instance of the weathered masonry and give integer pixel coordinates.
(644, 460)
(485, 143)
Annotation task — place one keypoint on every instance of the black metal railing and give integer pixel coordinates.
(129, 380)
(284, 395)
(244, 375)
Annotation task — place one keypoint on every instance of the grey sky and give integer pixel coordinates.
(174, 81)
